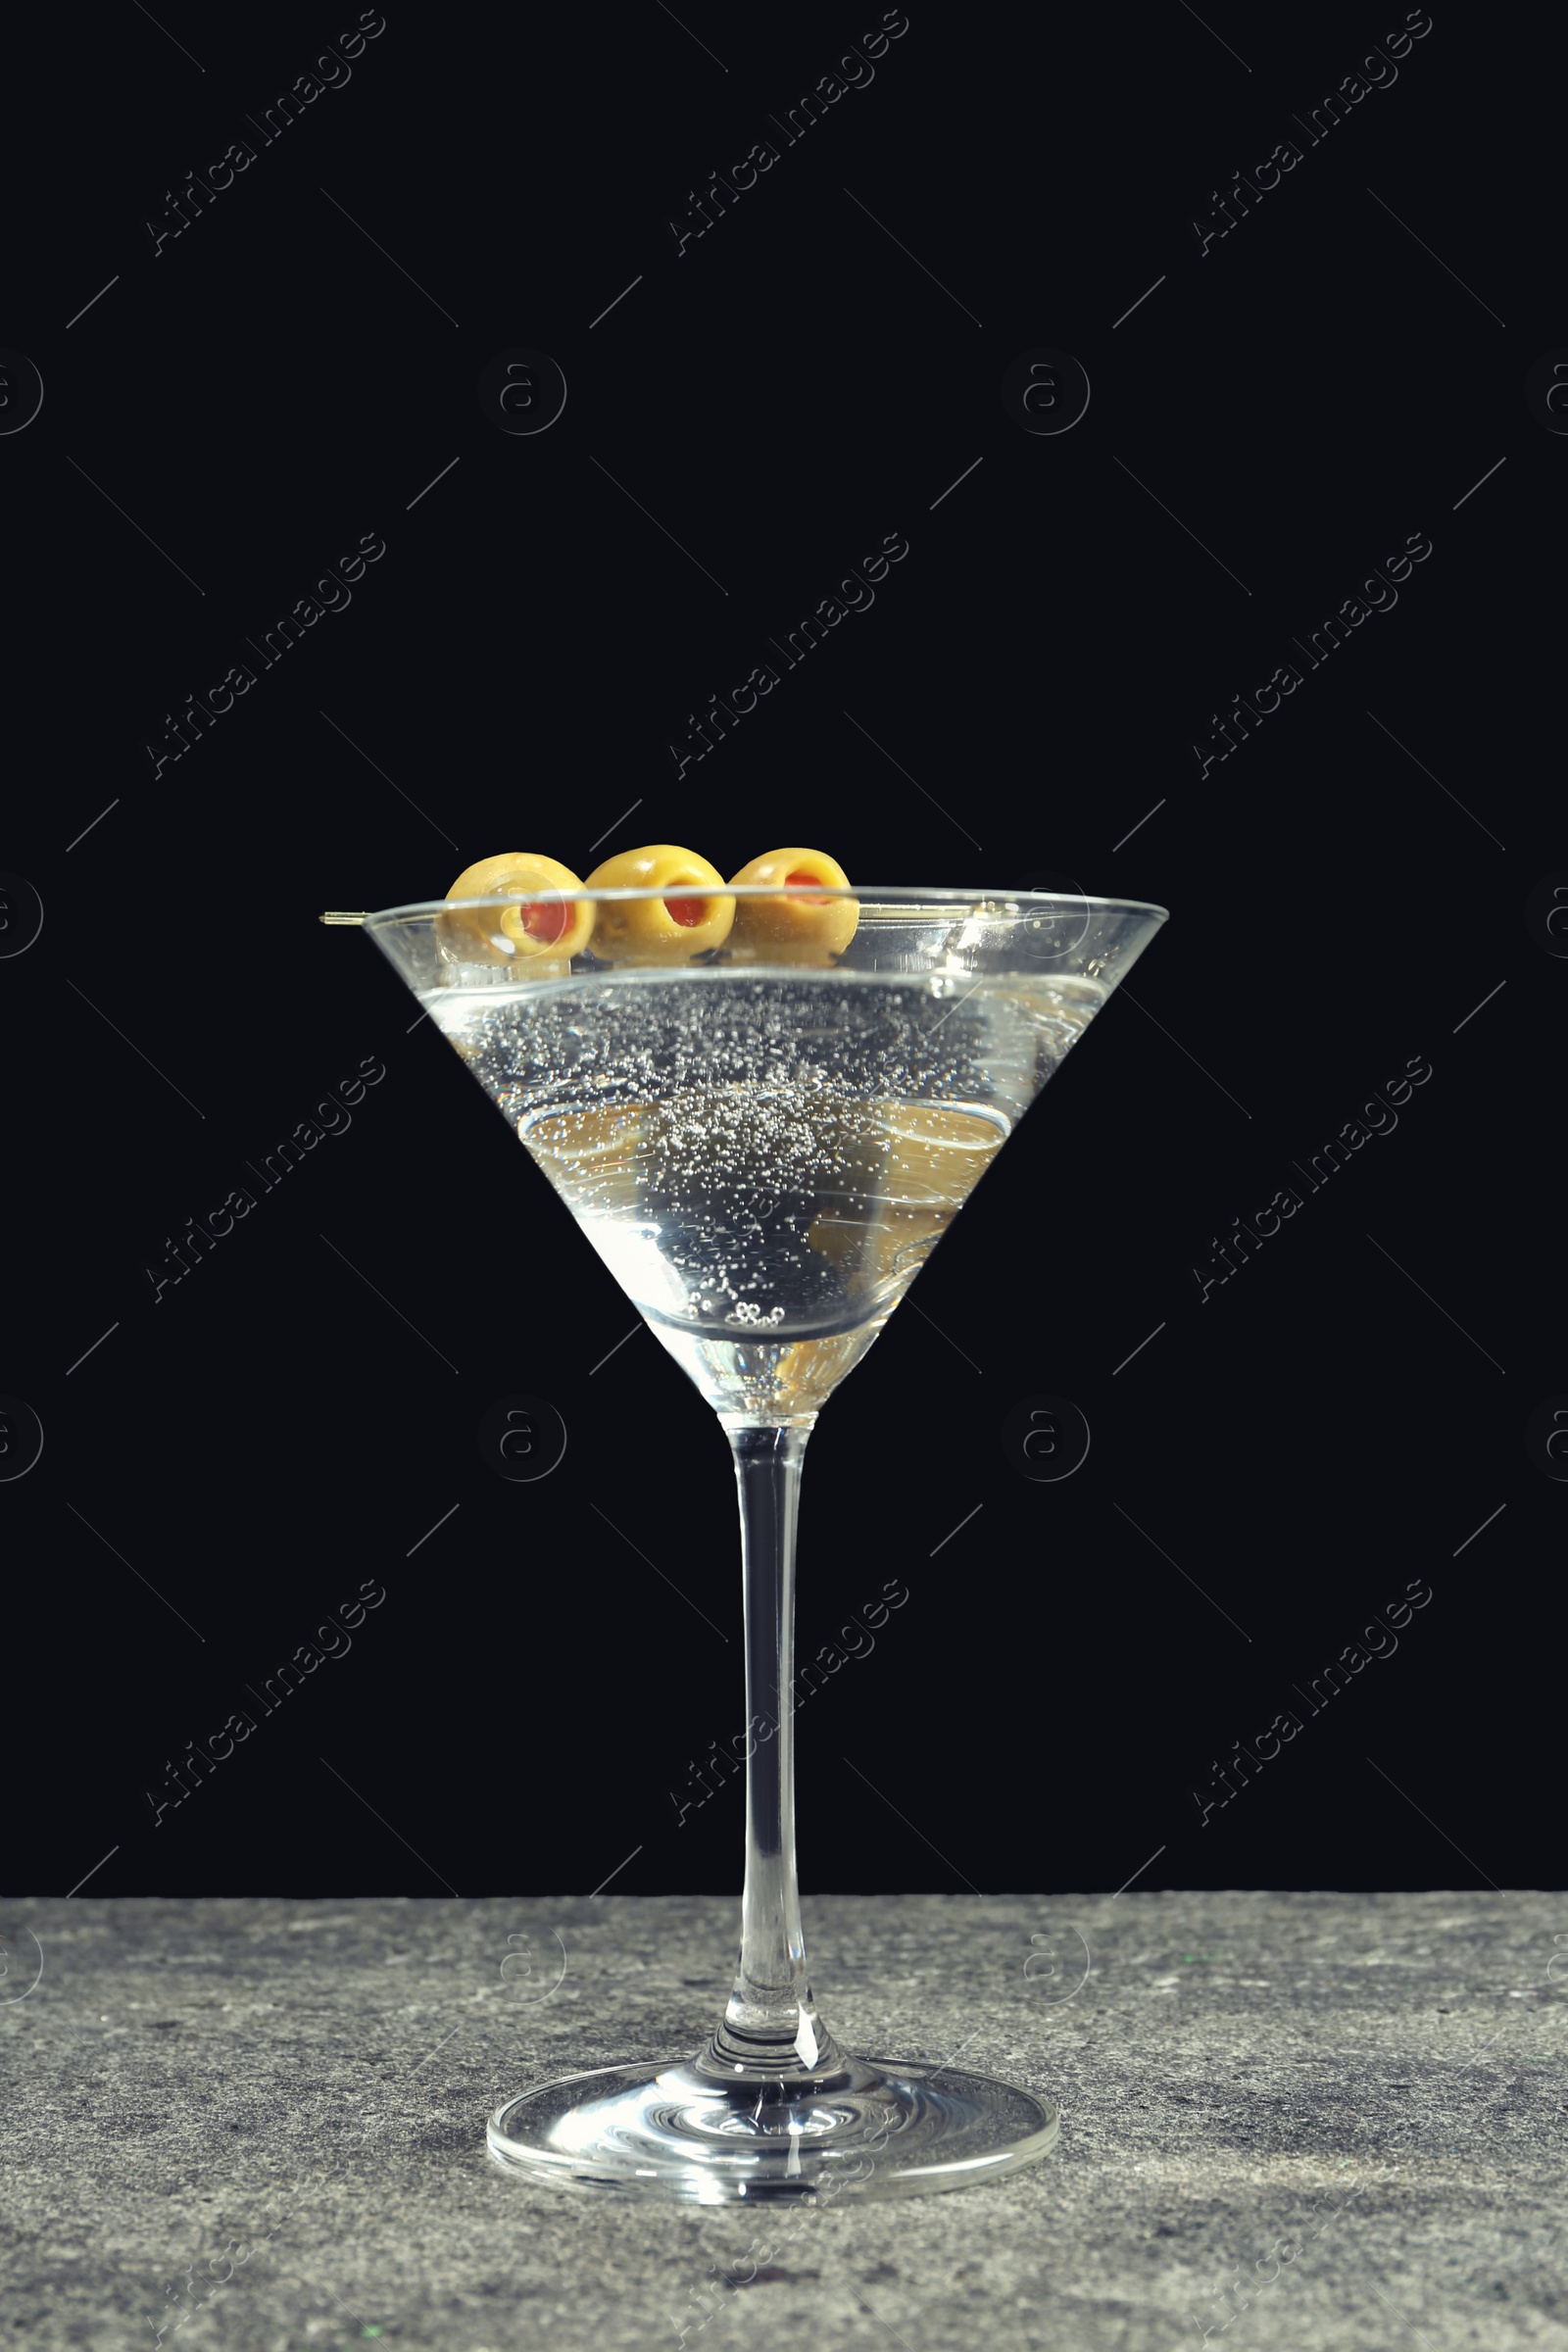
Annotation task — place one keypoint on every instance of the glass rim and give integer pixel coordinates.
(936, 901)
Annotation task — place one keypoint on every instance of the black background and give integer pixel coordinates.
(1282, 1460)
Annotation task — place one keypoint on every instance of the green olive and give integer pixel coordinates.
(794, 929)
(546, 926)
(692, 913)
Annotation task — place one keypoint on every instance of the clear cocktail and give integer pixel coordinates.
(763, 1139)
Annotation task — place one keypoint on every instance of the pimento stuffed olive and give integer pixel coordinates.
(691, 913)
(795, 928)
(544, 926)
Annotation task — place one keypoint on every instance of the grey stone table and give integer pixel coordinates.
(1301, 2120)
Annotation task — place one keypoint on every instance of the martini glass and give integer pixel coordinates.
(764, 1142)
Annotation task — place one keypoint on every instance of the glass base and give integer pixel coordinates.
(870, 2128)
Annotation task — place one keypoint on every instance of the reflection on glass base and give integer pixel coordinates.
(870, 2128)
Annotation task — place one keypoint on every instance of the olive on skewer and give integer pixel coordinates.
(546, 926)
(692, 913)
(795, 928)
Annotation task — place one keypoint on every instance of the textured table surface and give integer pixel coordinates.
(1286, 2120)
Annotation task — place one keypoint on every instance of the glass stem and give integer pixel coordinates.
(770, 2030)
